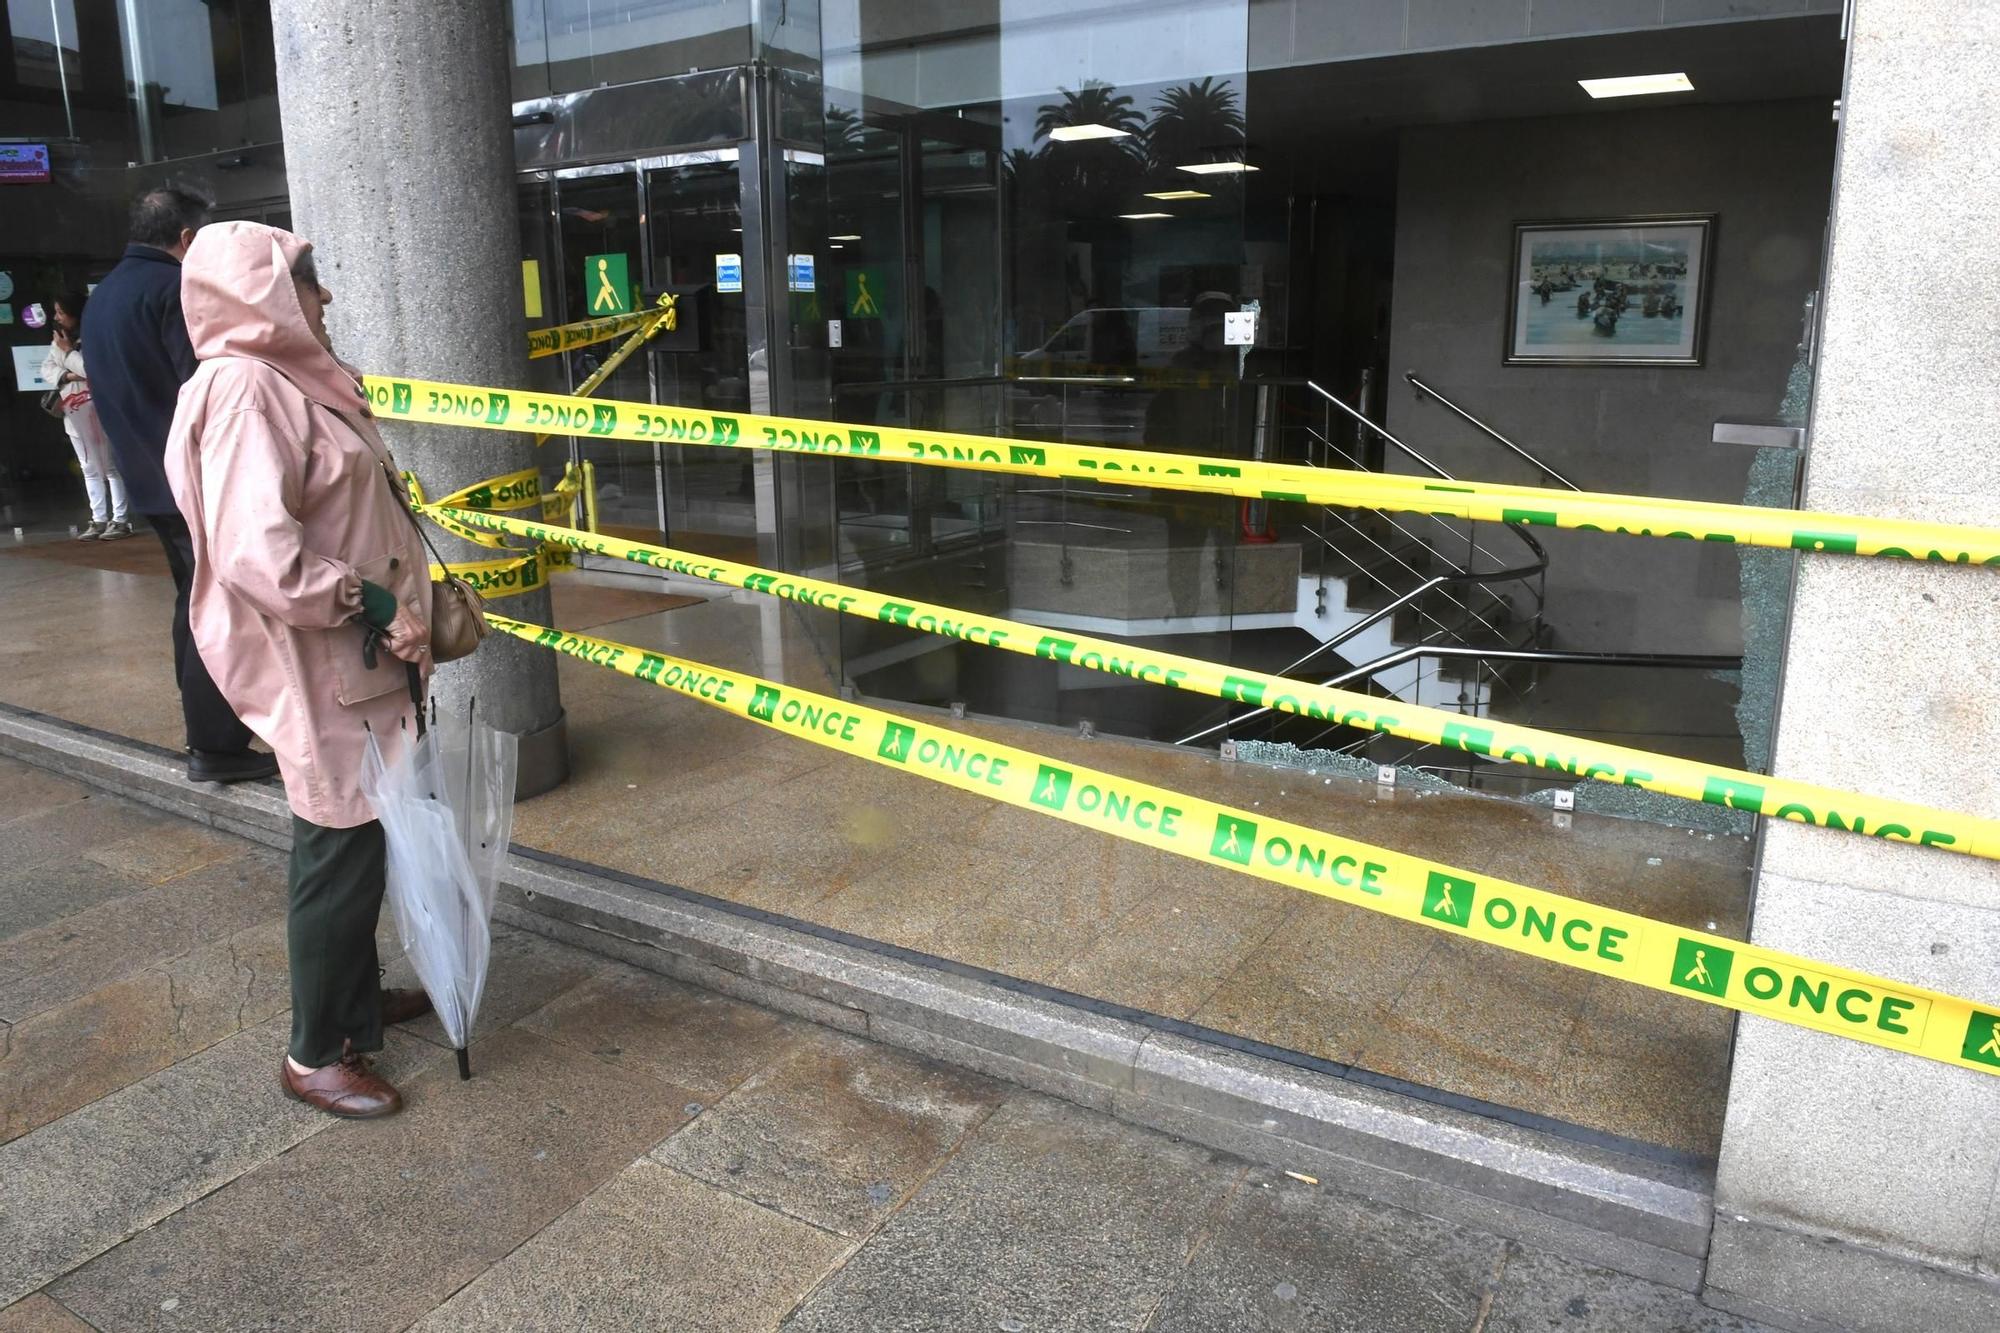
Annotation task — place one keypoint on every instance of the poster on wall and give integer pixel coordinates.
(28, 369)
(1610, 291)
(24, 164)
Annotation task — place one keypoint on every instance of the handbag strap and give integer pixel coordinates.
(403, 504)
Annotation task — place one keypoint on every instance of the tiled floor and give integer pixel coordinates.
(666, 788)
(631, 1154)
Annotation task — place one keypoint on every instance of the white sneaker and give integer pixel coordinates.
(92, 532)
(113, 531)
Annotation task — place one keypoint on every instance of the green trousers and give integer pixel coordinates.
(338, 876)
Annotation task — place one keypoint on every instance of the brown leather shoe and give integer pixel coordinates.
(347, 1088)
(404, 1004)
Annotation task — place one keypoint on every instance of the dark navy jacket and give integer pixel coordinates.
(137, 353)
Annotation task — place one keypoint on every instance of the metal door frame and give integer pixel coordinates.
(756, 284)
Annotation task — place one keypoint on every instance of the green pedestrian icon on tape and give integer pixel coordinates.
(1051, 787)
(1733, 795)
(1448, 898)
(896, 742)
(1982, 1039)
(1701, 966)
(1234, 839)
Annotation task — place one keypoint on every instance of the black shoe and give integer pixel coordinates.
(211, 766)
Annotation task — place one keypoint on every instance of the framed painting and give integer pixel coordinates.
(1610, 291)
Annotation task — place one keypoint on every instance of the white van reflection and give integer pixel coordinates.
(1110, 340)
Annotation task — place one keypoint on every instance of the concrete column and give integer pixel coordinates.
(399, 150)
(1857, 1188)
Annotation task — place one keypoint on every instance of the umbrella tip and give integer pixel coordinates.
(464, 1065)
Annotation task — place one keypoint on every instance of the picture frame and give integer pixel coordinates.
(1619, 291)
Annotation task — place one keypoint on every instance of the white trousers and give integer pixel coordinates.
(101, 481)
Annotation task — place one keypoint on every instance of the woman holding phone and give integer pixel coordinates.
(63, 367)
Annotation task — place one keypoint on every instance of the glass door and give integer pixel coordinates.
(867, 256)
(600, 227)
(694, 239)
(912, 287)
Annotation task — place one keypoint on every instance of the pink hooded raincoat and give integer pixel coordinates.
(281, 476)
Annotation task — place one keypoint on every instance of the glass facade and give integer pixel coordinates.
(1278, 230)
(1251, 231)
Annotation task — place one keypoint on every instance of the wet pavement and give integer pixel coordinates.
(667, 788)
(632, 1153)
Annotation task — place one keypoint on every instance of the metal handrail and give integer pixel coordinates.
(1548, 656)
(1546, 469)
(1383, 431)
(1387, 516)
(957, 382)
(1544, 656)
(1459, 576)
(1373, 618)
(1520, 533)
(1406, 566)
(1422, 460)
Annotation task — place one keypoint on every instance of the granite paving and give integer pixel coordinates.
(670, 789)
(631, 1153)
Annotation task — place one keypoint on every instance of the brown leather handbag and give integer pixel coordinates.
(458, 618)
(458, 612)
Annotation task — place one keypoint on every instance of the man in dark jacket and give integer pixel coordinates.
(139, 358)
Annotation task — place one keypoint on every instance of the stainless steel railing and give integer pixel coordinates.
(1546, 468)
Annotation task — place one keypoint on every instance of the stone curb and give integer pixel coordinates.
(1646, 1218)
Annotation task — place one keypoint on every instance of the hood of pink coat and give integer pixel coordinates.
(239, 298)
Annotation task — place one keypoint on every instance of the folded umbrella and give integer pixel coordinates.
(447, 809)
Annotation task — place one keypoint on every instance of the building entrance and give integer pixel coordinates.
(601, 240)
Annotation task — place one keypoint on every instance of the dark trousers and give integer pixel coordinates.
(337, 879)
(212, 724)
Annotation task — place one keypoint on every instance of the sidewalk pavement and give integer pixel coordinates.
(670, 789)
(631, 1153)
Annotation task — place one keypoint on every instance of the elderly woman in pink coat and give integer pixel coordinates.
(304, 550)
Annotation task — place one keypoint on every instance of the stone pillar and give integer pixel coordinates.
(399, 149)
(1856, 1187)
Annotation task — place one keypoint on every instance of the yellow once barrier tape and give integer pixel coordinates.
(512, 409)
(464, 531)
(515, 573)
(1734, 789)
(1549, 926)
(494, 579)
(664, 315)
(510, 490)
(558, 503)
(583, 333)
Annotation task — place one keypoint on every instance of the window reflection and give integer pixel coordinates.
(45, 42)
(201, 75)
(567, 45)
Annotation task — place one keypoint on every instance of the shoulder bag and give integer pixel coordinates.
(458, 612)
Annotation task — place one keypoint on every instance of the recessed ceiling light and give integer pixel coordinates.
(1215, 168)
(843, 238)
(1136, 216)
(1178, 194)
(1637, 85)
(1071, 133)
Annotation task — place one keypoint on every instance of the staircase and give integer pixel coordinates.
(1400, 605)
